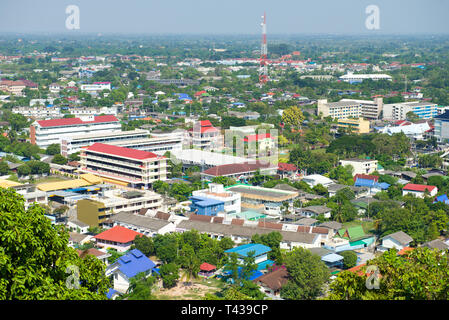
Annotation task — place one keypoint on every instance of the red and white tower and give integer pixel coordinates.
(263, 71)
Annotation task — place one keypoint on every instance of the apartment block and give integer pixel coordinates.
(98, 210)
(348, 108)
(46, 132)
(361, 166)
(398, 111)
(73, 144)
(130, 167)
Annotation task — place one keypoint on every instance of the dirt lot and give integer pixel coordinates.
(183, 291)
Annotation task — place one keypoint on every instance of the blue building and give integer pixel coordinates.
(372, 185)
(260, 254)
(206, 206)
(127, 267)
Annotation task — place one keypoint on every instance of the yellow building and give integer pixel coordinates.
(357, 125)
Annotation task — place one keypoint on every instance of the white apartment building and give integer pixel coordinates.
(73, 144)
(232, 200)
(131, 167)
(204, 136)
(96, 86)
(46, 132)
(398, 111)
(361, 166)
(349, 108)
(38, 112)
(352, 78)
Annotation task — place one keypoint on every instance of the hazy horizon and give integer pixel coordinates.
(201, 17)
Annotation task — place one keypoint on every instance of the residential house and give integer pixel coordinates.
(118, 237)
(314, 211)
(419, 190)
(100, 255)
(398, 240)
(272, 282)
(127, 267)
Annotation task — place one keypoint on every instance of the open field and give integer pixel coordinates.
(195, 291)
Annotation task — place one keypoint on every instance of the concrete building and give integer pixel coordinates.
(398, 111)
(360, 166)
(265, 199)
(349, 108)
(204, 136)
(441, 131)
(357, 78)
(358, 125)
(97, 210)
(46, 132)
(206, 206)
(96, 87)
(73, 144)
(130, 166)
(231, 200)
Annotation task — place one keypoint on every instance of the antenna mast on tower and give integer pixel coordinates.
(263, 72)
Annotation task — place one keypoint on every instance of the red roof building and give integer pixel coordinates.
(118, 237)
(419, 190)
(126, 166)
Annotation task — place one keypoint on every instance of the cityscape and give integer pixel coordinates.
(163, 159)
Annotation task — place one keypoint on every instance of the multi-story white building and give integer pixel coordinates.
(204, 136)
(96, 86)
(357, 78)
(46, 132)
(348, 108)
(232, 200)
(73, 144)
(360, 166)
(132, 167)
(38, 112)
(398, 111)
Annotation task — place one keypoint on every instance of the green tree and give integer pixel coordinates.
(34, 257)
(4, 169)
(53, 149)
(144, 244)
(307, 275)
(140, 288)
(59, 159)
(169, 273)
(420, 274)
(293, 116)
(349, 259)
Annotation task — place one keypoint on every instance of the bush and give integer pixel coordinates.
(349, 259)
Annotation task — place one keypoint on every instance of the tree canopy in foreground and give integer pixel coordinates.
(420, 274)
(36, 261)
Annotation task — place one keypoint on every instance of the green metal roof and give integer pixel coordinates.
(354, 233)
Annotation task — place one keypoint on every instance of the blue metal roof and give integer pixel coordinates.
(332, 257)
(243, 250)
(370, 184)
(110, 293)
(205, 202)
(442, 198)
(134, 262)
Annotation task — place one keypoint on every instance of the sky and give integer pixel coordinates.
(225, 16)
